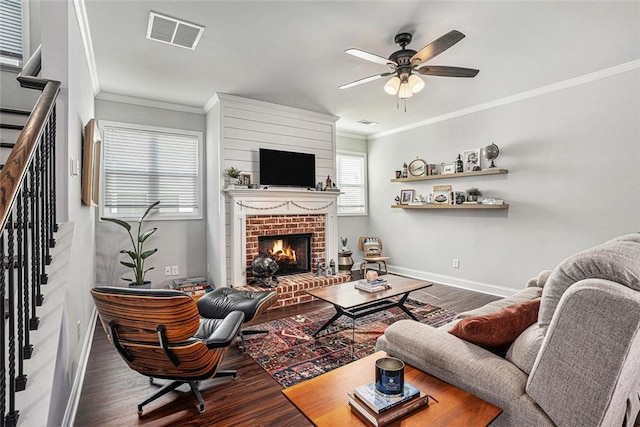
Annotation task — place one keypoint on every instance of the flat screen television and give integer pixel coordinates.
(287, 168)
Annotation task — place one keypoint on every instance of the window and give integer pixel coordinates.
(11, 33)
(352, 182)
(143, 164)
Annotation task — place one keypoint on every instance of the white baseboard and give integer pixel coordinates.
(485, 288)
(76, 389)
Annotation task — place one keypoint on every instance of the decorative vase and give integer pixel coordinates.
(345, 262)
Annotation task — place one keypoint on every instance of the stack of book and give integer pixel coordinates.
(372, 285)
(377, 409)
(191, 285)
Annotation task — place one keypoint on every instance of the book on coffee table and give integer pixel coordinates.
(362, 411)
(379, 402)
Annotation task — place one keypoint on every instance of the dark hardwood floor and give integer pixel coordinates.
(111, 390)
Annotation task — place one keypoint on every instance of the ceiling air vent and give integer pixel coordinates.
(173, 31)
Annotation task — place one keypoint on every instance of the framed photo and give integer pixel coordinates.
(90, 181)
(442, 194)
(448, 168)
(406, 197)
(470, 159)
(245, 180)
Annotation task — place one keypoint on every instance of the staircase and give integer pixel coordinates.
(27, 227)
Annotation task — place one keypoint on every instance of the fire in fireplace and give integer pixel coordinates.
(292, 252)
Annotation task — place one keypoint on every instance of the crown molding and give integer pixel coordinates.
(576, 81)
(108, 96)
(351, 135)
(85, 34)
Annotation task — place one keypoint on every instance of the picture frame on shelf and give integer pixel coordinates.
(442, 194)
(471, 159)
(245, 180)
(406, 196)
(448, 168)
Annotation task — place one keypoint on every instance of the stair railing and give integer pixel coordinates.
(27, 224)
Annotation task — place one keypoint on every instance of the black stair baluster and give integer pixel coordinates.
(21, 379)
(26, 197)
(46, 189)
(54, 220)
(3, 358)
(36, 297)
(12, 415)
(40, 155)
(37, 226)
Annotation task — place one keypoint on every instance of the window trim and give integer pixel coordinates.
(365, 172)
(154, 216)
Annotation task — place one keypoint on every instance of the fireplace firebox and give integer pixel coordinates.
(292, 252)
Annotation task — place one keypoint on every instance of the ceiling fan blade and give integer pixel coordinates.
(370, 57)
(436, 47)
(440, 70)
(365, 80)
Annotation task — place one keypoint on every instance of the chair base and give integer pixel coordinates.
(192, 384)
(381, 263)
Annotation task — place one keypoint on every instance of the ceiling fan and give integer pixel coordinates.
(405, 65)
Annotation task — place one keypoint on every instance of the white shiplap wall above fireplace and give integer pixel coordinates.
(242, 127)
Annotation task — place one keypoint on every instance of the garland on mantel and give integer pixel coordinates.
(284, 204)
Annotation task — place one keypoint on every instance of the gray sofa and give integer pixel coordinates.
(579, 365)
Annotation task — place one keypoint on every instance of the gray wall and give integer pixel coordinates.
(352, 227)
(572, 157)
(180, 243)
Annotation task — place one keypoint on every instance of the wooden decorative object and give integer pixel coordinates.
(91, 164)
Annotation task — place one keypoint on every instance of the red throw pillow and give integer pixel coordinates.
(496, 331)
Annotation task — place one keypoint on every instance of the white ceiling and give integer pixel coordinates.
(292, 52)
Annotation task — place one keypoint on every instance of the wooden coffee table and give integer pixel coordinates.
(324, 401)
(356, 303)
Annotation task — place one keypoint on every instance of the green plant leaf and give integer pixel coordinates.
(150, 268)
(120, 222)
(153, 205)
(147, 254)
(128, 264)
(146, 234)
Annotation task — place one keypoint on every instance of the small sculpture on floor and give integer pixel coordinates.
(263, 268)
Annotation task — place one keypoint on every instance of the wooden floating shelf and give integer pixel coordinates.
(433, 206)
(491, 171)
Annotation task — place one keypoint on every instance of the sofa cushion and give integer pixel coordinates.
(615, 260)
(496, 331)
(525, 348)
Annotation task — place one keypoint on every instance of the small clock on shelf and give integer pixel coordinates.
(418, 167)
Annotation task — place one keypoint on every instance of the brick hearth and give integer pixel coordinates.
(291, 289)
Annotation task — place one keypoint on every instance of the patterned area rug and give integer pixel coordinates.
(290, 354)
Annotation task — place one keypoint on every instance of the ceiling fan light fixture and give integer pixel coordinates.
(392, 86)
(415, 83)
(405, 90)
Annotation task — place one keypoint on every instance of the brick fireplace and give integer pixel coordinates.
(288, 239)
(261, 212)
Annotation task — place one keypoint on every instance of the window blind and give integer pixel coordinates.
(145, 165)
(11, 32)
(352, 179)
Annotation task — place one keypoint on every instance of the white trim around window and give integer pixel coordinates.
(351, 172)
(142, 164)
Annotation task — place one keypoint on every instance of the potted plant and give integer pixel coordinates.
(233, 174)
(473, 194)
(344, 241)
(138, 255)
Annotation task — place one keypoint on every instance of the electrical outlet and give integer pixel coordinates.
(167, 271)
(456, 263)
(174, 270)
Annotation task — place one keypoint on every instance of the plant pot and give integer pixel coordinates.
(145, 285)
